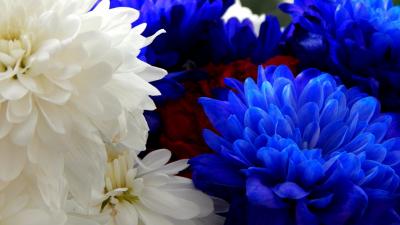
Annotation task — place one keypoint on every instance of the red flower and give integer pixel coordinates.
(183, 120)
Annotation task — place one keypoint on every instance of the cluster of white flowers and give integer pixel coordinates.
(71, 85)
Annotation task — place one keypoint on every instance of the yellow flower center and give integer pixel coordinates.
(119, 173)
(13, 56)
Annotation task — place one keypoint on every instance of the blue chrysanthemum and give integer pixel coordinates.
(188, 24)
(196, 36)
(239, 41)
(302, 150)
(356, 39)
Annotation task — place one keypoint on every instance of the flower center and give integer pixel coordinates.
(13, 56)
(118, 180)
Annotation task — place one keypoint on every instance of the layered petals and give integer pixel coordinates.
(300, 150)
(61, 63)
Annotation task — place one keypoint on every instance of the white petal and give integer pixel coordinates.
(150, 39)
(211, 219)
(22, 133)
(12, 89)
(93, 78)
(54, 116)
(96, 46)
(56, 95)
(89, 104)
(88, 5)
(204, 202)
(34, 217)
(32, 83)
(127, 214)
(5, 125)
(21, 107)
(44, 51)
(137, 132)
(128, 94)
(80, 220)
(68, 72)
(52, 190)
(139, 29)
(12, 160)
(136, 83)
(90, 157)
(151, 73)
(155, 180)
(123, 15)
(150, 218)
(103, 6)
(167, 204)
(174, 167)
(48, 158)
(67, 27)
(109, 102)
(14, 197)
(157, 159)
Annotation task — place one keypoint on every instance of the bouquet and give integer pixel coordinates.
(199, 112)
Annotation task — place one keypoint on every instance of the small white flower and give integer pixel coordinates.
(147, 192)
(242, 13)
(69, 79)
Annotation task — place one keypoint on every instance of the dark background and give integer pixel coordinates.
(268, 7)
(260, 6)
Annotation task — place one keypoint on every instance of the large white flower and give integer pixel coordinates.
(147, 192)
(69, 79)
(21, 204)
(242, 13)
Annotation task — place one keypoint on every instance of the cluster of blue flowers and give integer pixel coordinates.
(354, 39)
(301, 150)
(197, 35)
(309, 149)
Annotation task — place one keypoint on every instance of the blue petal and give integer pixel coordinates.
(310, 172)
(246, 151)
(311, 135)
(307, 114)
(290, 190)
(332, 136)
(359, 143)
(349, 208)
(282, 71)
(259, 194)
(365, 108)
(283, 128)
(376, 152)
(304, 77)
(312, 92)
(321, 202)
(304, 216)
(253, 116)
(239, 107)
(379, 130)
(214, 170)
(214, 141)
(330, 112)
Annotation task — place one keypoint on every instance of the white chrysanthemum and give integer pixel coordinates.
(147, 192)
(70, 78)
(242, 13)
(21, 204)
